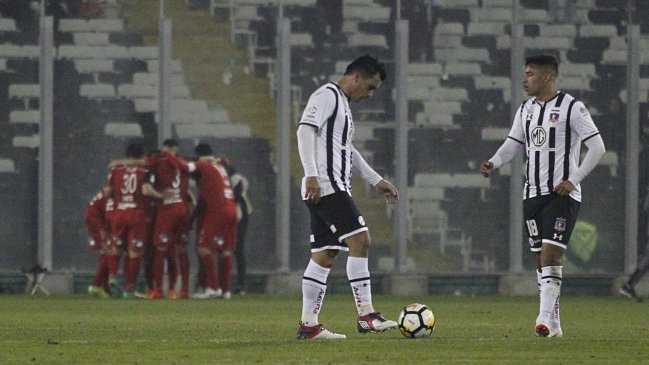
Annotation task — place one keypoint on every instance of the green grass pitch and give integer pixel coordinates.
(260, 329)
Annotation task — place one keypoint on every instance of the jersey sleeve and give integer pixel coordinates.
(517, 132)
(582, 122)
(319, 108)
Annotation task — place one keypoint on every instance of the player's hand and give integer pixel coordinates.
(387, 191)
(486, 167)
(564, 188)
(312, 193)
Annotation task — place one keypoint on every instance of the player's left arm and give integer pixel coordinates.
(586, 129)
(384, 187)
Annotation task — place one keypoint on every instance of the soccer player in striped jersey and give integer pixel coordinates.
(551, 127)
(325, 135)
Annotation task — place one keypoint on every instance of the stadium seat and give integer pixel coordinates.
(143, 52)
(573, 83)
(503, 15)
(224, 130)
(577, 69)
(443, 121)
(153, 65)
(150, 78)
(127, 130)
(486, 28)
(137, 91)
(374, 13)
(25, 116)
(367, 40)
(494, 134)
(90, 39)
(463, 68)
(16, 51)
(32, 141)
(559, 31)
(597, 30)
(7, 166)
(615, 57)
(26, 92)
(93, 66)
(415, 69)
(8, 25)
(301, 40)
(449, 29)
(442, 107)
(457, 3)
(97, 91)
(492, 82)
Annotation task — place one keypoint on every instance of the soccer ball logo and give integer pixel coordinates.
(416, 321)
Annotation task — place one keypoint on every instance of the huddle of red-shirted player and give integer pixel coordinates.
(145, 210)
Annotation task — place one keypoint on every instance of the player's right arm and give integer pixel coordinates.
(512, 145)
(179, 163)
(306, 142)
(318, 109)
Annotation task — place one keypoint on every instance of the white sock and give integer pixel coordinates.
(314, 287)
(551, 277)
(358, 274)
(538, 281)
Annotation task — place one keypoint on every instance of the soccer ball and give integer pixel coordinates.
(416, 321)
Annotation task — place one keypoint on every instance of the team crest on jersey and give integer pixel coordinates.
(560, 225)
(312, 110)
(554, 117)
(537, 136)
(361, 221)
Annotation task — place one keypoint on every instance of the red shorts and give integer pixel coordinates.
(97, 232)
(218, 230)
(171, 225)
(128, 229)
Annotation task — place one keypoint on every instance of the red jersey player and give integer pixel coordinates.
(128, 224)
(97, 219)
(217, 227)
(172, 222)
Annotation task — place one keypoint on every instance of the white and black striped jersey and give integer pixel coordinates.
(328, 111)
(552, 133)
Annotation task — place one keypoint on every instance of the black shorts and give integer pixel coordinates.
(549, 219)
(333, 219)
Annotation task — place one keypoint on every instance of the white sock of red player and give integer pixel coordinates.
(132, 272)
(183, 263)
(172, 271)
(226, 271)
(209, 269)
(158, 268)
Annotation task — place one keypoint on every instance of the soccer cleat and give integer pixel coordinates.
(184, 294)
(98, 292)
(171, 294)
(317, 332)
(115, 289)
(154, 294)
(629, 292)
(129, 295)
(544, 330)
(209, 293)
(227, 295)
(375, 323)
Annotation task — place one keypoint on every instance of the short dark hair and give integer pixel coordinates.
(545, 61)
(203, 149)
(367, 66)
(135, 150)
(170, 143)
